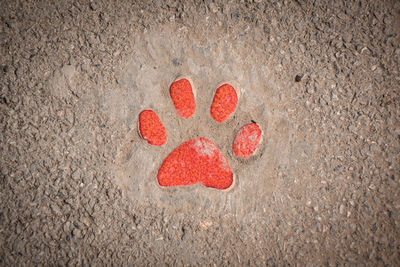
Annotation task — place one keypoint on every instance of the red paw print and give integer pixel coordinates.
(199, 160)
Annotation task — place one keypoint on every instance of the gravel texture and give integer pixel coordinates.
(78, 184)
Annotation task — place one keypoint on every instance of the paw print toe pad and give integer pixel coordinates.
(224, 103)
(151, 128)
(247, 140)
(182, 95)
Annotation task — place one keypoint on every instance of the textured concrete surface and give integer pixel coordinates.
(79, 185)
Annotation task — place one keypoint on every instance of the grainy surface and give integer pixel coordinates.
(78, 184)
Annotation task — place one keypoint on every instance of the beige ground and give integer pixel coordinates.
(79, 185)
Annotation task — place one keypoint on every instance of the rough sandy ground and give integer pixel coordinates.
(78, 185)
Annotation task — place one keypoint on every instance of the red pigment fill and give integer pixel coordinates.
(183, 98)
(196, 161)
(224, 103)
(151, 128)
(247, 140)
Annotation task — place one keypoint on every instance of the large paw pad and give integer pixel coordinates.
(196, 161)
